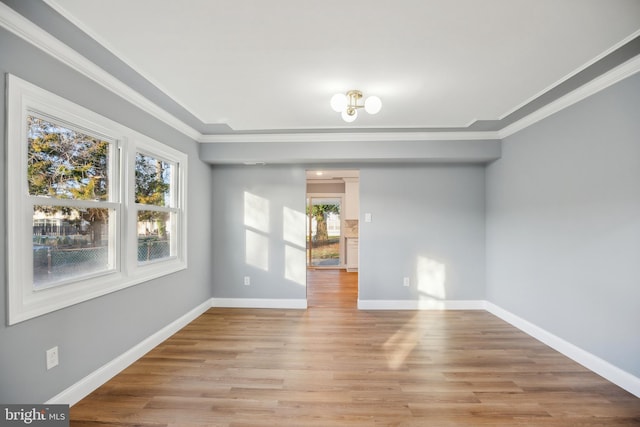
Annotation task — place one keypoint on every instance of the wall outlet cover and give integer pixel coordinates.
(52, 357)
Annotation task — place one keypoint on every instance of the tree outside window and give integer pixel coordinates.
(153, 193)
(68, 175)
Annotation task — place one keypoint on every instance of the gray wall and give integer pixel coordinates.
(425, 218)
(258, 217)
(348, 149)
(427, 224)
(92, 333)
(563, 209)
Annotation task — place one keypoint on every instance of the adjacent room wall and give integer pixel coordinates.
(93, 333)
(427, 224)
(563, 225)
(258, 220)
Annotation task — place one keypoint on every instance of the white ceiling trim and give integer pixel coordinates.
(573, 73)
(109, 47)
(621, 72)
(28, 31)
(348, 137)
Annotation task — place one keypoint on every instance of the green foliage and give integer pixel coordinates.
(320, 212)
(153, 179)
(153, 186)
(63, 163)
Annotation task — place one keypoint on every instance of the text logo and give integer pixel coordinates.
(34, 415)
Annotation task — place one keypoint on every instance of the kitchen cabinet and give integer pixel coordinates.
(352, 198)
(352, 254)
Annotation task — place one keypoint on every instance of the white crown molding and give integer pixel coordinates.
(115, 52)
(621, 72)
(573, 73)
(28, 31)
(348, 137)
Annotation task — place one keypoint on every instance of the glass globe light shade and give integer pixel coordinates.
(339, 102)
(349, 118)
(372, 105)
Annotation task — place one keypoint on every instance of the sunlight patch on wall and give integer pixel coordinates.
(295, 268)
(431, 276)
(293, 233)
(256, 212)
(256, 222)
(293, 227)
(257, 250)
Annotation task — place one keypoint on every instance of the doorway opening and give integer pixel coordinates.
(332, 208)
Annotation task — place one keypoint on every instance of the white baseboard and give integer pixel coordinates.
(426, 304)
(259, 303)
(601, 367)
(82, 388)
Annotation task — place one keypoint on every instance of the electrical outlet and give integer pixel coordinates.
(247, 280)
(52, 357)
(406, 281)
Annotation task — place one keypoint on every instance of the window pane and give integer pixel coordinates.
(64, 163)
(153, 181)
(68, 243)
(154, 235)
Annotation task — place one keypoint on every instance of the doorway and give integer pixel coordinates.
(332, 207)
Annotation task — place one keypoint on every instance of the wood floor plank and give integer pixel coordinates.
(333, 365)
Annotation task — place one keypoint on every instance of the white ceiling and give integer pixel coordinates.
(261, 65)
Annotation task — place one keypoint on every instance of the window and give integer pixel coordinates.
(94, 206)
(68, 176)
(156, 212)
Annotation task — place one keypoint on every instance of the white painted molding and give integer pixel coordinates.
(30, 32)
(55, 5)
(348, 137)
(91, 382)
(601, 367)
(259, 303)
(619, 73)
(82, 388)
(427, 304)
(573, 73)
(25, 29)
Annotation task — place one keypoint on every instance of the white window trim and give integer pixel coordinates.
(151, 147)
(23, 302)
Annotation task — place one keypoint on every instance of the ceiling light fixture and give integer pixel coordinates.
(348, 104)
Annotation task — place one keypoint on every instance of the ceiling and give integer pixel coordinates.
(267, 66)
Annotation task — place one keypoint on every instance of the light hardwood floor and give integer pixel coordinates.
(332, 365)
